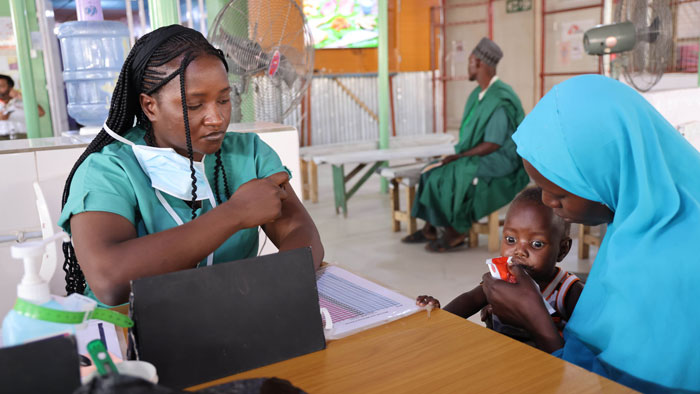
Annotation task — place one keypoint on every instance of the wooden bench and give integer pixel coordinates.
(409, 176)
(490, 228)
(374, 159)
(308, 154)
(586, 239)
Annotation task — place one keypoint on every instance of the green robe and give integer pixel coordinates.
(446, 194)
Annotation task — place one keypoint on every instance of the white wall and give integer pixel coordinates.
(514, 33)
(678, 106)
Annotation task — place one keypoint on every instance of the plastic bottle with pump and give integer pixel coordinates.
(17, 327)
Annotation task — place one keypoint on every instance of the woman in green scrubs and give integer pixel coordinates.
(163, 187)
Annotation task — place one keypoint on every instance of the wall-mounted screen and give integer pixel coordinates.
(342, 23)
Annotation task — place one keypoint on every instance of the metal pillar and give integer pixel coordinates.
(130, 22)
(18, 11)
(142, 18)
(383, 80)
(52, 67)
(213, 8)
(163, 13)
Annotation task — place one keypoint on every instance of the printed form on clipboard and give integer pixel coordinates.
(356, 304)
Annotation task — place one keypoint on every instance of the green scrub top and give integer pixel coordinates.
(112, 181)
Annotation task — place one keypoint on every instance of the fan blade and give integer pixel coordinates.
(246, 55)
(287, 72)
(652, 32)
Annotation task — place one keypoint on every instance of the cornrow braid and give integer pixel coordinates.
(125, 107)
(227, 191)
(118, 120)
(188, 136)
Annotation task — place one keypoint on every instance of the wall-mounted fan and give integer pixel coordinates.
(641, 35)
(270, 53)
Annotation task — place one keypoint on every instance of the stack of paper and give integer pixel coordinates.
(356, 304)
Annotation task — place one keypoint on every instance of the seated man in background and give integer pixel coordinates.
(485, 173)
(12, 123)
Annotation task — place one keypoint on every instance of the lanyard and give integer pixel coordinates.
(178, 220)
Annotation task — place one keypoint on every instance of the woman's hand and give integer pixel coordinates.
(259, 201)
(514, 303)
(520, 304)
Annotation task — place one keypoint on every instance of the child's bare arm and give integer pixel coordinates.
(572, 298)
(468, 303)
(424, 300)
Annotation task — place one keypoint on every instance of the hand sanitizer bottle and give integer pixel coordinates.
(31, 318)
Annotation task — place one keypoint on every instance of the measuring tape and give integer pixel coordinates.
(33, 311)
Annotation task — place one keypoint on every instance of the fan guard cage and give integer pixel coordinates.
(250, 33)
(644, 65)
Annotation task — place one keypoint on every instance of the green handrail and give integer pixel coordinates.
(163, 13)
(23, 38)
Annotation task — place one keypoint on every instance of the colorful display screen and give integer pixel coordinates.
(342, 23)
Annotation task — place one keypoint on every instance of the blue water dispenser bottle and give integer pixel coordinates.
(93, 52)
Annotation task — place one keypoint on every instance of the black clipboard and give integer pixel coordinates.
(45, 366)
(207, 323)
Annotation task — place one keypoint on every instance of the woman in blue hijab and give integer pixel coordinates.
(603, 154)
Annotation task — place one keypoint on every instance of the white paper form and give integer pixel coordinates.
(356, 304)
(91, 329)
(97, 329)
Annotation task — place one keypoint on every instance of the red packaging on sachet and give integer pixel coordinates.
(498, 267)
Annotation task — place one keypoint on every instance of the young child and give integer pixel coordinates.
(536, 239)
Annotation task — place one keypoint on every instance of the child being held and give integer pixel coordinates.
(537, 240)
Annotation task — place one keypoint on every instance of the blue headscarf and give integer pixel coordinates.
(639, 311)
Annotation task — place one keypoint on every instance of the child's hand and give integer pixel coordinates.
(425, 300)
(486, 313)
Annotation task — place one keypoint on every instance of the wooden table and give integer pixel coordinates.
(441, 354)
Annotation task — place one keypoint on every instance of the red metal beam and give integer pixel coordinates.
(542, 40)
(542, 28)
(472, 22)
(583, 7)
(444, 65)
(432, 64)
(308, 116)
(563, 74)
(460, 78)
(391, 103)
(490, 19)
(465, 5)
(302, 125)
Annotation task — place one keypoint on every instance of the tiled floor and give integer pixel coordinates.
(364, 243)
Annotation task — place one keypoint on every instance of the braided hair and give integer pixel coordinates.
(142, 73)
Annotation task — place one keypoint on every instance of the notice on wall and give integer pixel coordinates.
(570, 46)
(8, 49)
(7, 36)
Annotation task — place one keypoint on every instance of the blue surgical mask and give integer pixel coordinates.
(169, 171)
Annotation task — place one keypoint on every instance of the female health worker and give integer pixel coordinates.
(163, 187)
